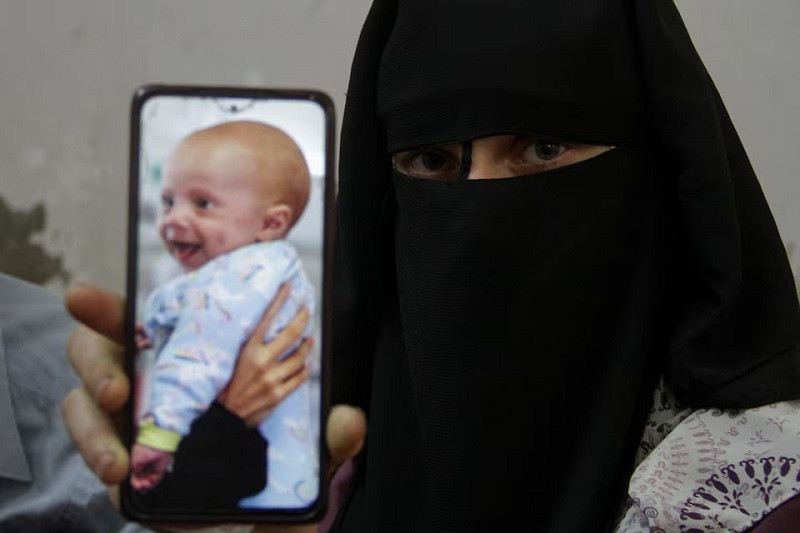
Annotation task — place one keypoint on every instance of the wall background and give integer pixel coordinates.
(67, 71)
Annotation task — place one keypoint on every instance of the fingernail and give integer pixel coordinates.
(101, 462)
(100, 387)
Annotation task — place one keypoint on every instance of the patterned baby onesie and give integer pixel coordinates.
(197, 324)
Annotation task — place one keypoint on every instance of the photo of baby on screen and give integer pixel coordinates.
(230, 194)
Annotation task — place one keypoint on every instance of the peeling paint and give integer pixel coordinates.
(20, 256)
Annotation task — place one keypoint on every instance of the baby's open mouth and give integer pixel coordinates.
(184, 251)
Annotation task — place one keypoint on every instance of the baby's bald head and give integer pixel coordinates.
(260, 153)
(229, 186)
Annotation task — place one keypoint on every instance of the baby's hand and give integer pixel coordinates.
(141, 338)
(148, 467)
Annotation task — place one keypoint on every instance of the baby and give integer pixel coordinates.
(230, 195)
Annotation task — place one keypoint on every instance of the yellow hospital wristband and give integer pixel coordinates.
(158, 438)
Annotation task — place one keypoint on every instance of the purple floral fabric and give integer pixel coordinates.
(718, 471)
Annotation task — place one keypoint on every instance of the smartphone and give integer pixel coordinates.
(231, 198)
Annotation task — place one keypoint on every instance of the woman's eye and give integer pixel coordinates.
(430, 163)
(433, 161)
(542, 152)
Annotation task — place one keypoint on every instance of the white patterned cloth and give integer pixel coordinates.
(718, 471)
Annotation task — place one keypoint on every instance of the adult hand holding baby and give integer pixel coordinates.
(259, 383)
(260, 380)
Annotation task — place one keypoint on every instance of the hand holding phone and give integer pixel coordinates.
(96, 349)
(92, 411)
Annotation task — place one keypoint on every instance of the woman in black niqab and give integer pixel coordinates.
(504, 336)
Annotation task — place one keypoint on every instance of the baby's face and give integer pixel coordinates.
(210, 204)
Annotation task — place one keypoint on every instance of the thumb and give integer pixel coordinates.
(346, 430)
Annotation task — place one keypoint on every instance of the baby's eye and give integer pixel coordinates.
(167, 201)
(204, 203)
(438, 163)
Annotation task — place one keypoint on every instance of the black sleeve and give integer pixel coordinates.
(220, 462)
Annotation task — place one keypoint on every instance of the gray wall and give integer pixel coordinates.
(68, 67)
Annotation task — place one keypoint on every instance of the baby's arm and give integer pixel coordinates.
(198, 359)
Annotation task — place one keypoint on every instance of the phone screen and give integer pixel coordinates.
(230, 200)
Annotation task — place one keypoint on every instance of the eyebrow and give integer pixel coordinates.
(201, 191)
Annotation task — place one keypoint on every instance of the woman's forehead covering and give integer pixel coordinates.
(457, 70)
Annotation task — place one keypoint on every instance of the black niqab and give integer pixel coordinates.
(504, 335)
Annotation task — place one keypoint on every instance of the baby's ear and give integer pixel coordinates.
(277, 220)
